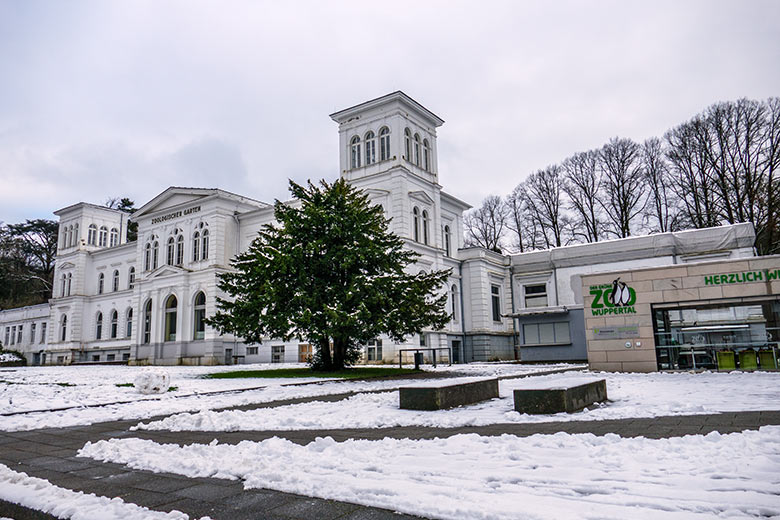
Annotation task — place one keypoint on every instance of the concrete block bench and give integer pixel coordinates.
(563, 395)
(442, 395)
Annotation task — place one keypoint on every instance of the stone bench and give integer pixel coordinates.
(441, 395)
(560, 396)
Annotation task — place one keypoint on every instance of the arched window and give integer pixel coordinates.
(147, 322)
(426, 155)
(384, 143)
(67, 290)
(129, 323)
(199, 317)
(204, 254)
(408, 144)
(455, 303)
(131, 278)
(69, 237)
(354, 146)
(416, 223)
(101, 282)
(75, 234)
(425, 226)
(64, 239)
(64, 281)
(155, 254)
(63, 327)
(180, 250)
(171, 248)
(115, 281)
(370, 148)
(148, 257)
(447, 238)
(171, 305)
(195, 246)
(114, 324)
(99, 326)
(103, 236)
(417, 149)
(92, 235)
(114, 237)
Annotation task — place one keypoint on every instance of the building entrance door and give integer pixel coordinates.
(228, 356)
(456, 351)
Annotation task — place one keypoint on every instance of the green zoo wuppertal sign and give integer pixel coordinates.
(612, 298)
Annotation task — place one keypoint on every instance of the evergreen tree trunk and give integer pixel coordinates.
(325, 359)
(339, 351)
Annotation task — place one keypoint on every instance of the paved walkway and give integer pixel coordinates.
(50, 454)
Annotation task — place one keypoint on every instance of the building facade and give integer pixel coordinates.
(144, 302)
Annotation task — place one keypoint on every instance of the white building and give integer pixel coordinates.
(144, 302)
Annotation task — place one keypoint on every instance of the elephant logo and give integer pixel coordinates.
(620, 295)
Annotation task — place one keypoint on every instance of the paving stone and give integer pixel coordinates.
(58, 463)
(97, 472)
(207, 492)
(315, 509)
(162, 484)
(194, 508)
(365, 513)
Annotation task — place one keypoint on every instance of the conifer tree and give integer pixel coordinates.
(331, 273)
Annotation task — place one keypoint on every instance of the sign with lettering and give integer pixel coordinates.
(614, 298)
(625, 331)
(175, 214)
(742, 277)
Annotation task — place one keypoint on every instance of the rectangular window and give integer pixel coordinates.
(32, 333)
(556, 333)
(535, 295)
(13, 335)
(7, 336)
(495, 298)
(251, 351)
(304, 352)
(125, 356)
(110, 357)
(277, 354)
(19, 336)
(374, 350)
(43, 332)
(95, 357)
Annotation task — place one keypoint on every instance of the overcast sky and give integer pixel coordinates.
(108, 99)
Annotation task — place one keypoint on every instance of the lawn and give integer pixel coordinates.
(347, 373)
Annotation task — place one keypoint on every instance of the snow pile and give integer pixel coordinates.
(10, 357)
(152, 381)
(559, 476)
(630, 395)
(41, 495)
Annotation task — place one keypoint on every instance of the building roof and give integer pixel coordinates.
(348, 113)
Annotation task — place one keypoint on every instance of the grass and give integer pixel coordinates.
(348, 373)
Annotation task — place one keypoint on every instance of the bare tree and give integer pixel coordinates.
(582, 183)
(545, 201)
(662, 205)
(520, 221)
(768, 239)
(485, 225)
(623, 196)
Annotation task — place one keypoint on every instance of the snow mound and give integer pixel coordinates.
(153, 381)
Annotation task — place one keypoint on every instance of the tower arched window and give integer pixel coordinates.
(370, 148)
(195, 246)
(114, 237)
(199, 317)
(447, 238)
(384, 143)
(171, 308)
(426, 155)
(67, 289)
(180, 250)
(114, 324)
(64, 281)
(129, 323)
(103, 236)
(155, 254)
(63, 327)
(69, 236)
(148, 256)
(115, 281)
(408, 144)
(131, 278)
(64, 239)
(171, 249)
(75, 237)
(147, 322)
(417, 149)
(416, 223)
(92, 235)
(354, 146)
(101, 282)
(204, 253)
(455, 306)
(99, 326)
(425, 226)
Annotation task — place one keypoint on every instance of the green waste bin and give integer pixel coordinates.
(726, 360)
(766, 360)
(748, 360)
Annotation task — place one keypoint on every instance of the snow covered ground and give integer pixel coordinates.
(37, 388)
(559, 476)
(630, 395)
